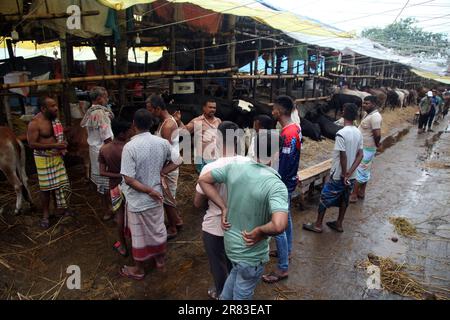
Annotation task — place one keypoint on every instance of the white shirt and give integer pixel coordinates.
(212, 221)
(370, 122)
(350, 140)
(143, 158)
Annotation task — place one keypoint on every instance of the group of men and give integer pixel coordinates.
(247, 198)
(431, 108)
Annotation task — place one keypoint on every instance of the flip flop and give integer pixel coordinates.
(212, 294)
(44, 223)
(124, 273)
(273, 277)
(332, 225)
(311, 227)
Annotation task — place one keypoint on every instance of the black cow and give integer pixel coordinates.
(392, 99)
(338, 100)
(328, 127)
(310, 129)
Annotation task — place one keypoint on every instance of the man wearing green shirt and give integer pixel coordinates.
(256, 208)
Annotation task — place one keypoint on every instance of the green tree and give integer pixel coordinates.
(406, 38)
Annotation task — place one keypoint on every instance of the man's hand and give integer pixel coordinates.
(155, 195)
(253, 237)
(225, 224)
(61, 146)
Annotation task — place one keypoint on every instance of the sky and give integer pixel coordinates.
(356, 15)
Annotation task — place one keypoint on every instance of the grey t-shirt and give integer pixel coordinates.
(350, 140)
(143, 158)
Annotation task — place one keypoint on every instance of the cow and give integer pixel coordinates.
(338, 100)
(12, 164)
(77, 145)
(380, 94)
(392, 98)
(401, 97)
(412, 97)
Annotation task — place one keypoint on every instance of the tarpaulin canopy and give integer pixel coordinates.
(277, 19)
(429, 75)
(305, 30)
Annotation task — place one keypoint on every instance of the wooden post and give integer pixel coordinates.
(122, 57)
(255, 82)
(369, 81)
(272, 66)
(65, 75)
(352, 69)
(290, 70)
(278, 71)
(383, 70)
(145, 70)
(173, 49)
(202, 66)
(232, 56)
(111, 58)
(12, 58)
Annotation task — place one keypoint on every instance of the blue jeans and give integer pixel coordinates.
(284, 242)
(242, 281)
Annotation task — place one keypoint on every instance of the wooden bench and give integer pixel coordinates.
(309, 176)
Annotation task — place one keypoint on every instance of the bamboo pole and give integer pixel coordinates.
(232, 56)
(356, 76)
(35, 83)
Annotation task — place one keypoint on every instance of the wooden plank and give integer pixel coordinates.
(315, 170)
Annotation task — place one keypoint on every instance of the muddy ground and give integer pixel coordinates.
(411, 179)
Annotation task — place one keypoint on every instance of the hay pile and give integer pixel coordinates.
(314, 152)
(392, 118)
(395, 279)
(403, 227)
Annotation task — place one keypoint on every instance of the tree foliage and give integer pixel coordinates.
(406, 38)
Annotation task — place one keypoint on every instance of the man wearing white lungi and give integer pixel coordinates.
(97, 120)
(144, 159)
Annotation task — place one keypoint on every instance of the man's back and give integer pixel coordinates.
(254, 192)
(143, 158)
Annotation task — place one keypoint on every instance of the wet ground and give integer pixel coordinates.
(410, 179)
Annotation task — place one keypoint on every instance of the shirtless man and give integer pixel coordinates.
(204, 128)
(167, 129)
(45, 137)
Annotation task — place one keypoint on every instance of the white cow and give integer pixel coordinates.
(12, 163)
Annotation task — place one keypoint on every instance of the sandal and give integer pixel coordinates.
(311, 227)
(273, 277)
(172, 235)
(124, 272)
(333, 225)
(44, 223)
(120, 248)
(212, 294)
(107, 217)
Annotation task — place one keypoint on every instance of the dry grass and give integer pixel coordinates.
(403, 227)
(435, 165)
(394, 118)
(395, 279)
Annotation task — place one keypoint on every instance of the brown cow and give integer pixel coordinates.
(12, 163)
(77, 145)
